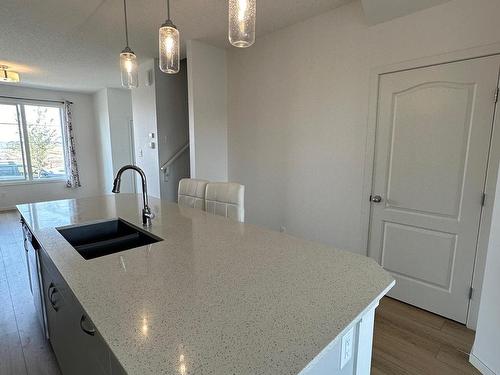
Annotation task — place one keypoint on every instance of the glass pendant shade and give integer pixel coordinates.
(128, 67)
(242, 23)
(169, 48)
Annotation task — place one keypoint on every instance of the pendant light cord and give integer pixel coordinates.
(126, 26)
(168, 9)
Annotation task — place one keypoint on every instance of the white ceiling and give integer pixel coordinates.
(377, 11)
(75, 44)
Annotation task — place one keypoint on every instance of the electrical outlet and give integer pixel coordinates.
(346, 348)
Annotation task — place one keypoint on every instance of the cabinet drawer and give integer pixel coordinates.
(78, 346)
(116, 368)
(58, 320)
(95, 352)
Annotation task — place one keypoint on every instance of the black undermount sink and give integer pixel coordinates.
(106, 237)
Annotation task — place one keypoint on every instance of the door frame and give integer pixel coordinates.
(491, 169)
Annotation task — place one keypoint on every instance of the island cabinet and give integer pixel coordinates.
(78, 346)
(240, 299)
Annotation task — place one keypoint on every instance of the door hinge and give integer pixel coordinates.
(471, 292)
(483, 199)
(496, 95)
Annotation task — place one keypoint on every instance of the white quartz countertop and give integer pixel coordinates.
(215, 296)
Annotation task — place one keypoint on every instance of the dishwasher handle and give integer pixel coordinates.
(30, 238)
(50, 293)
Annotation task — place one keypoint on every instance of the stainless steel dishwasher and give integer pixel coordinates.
(35, 277)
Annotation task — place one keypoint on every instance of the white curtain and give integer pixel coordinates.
(71, 164)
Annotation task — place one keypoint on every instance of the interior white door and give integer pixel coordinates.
(433, 134)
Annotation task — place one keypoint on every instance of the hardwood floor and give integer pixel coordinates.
(23, 349)
(407, 340)
(412, 341)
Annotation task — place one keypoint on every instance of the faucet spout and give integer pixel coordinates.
(116, 185)
(147, 215)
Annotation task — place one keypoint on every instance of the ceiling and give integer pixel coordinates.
(377, 11)
(75, 44)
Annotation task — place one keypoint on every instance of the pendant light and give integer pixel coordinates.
(169, 45)
(128, 60)
(242, 23)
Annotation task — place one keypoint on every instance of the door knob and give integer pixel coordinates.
(375, 198)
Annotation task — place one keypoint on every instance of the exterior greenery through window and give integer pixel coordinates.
(31, 142)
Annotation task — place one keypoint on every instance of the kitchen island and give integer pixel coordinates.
(212, 297)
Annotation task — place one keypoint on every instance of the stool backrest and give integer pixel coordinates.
(192, 193)
(226, 199)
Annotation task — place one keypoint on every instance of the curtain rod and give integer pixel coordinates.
(35, 100)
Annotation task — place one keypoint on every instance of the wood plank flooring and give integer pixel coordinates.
(412, 341)
(23, 349)
(407, 340)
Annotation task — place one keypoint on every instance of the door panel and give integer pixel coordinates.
(435, 113)
(407, 249)
(432, 141)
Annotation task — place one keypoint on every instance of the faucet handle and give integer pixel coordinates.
(147, 216)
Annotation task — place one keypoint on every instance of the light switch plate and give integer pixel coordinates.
(346, 348)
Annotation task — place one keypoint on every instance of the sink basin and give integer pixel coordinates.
(106, 237)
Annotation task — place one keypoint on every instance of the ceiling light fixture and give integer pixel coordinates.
(169, 45)
(7, 75)
(128, 60)
(242, 22)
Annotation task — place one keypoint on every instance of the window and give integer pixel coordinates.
(31, 142)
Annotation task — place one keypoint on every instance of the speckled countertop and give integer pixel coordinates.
(215, 296)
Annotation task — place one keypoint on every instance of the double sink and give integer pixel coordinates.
(107, 237)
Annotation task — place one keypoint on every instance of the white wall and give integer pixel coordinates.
(144, 114)
(84, 126)
(207, 93)
(104, 138)
(298, 108)
(173, 127)
(121, 135)
(113, 109)
(485, 352)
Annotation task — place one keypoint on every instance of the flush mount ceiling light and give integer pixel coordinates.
(128, 60)
(169, 45)
(242, 22)
(7, 75)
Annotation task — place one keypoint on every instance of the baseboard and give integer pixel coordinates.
(483, 369)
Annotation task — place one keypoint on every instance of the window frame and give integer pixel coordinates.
(25, 145)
